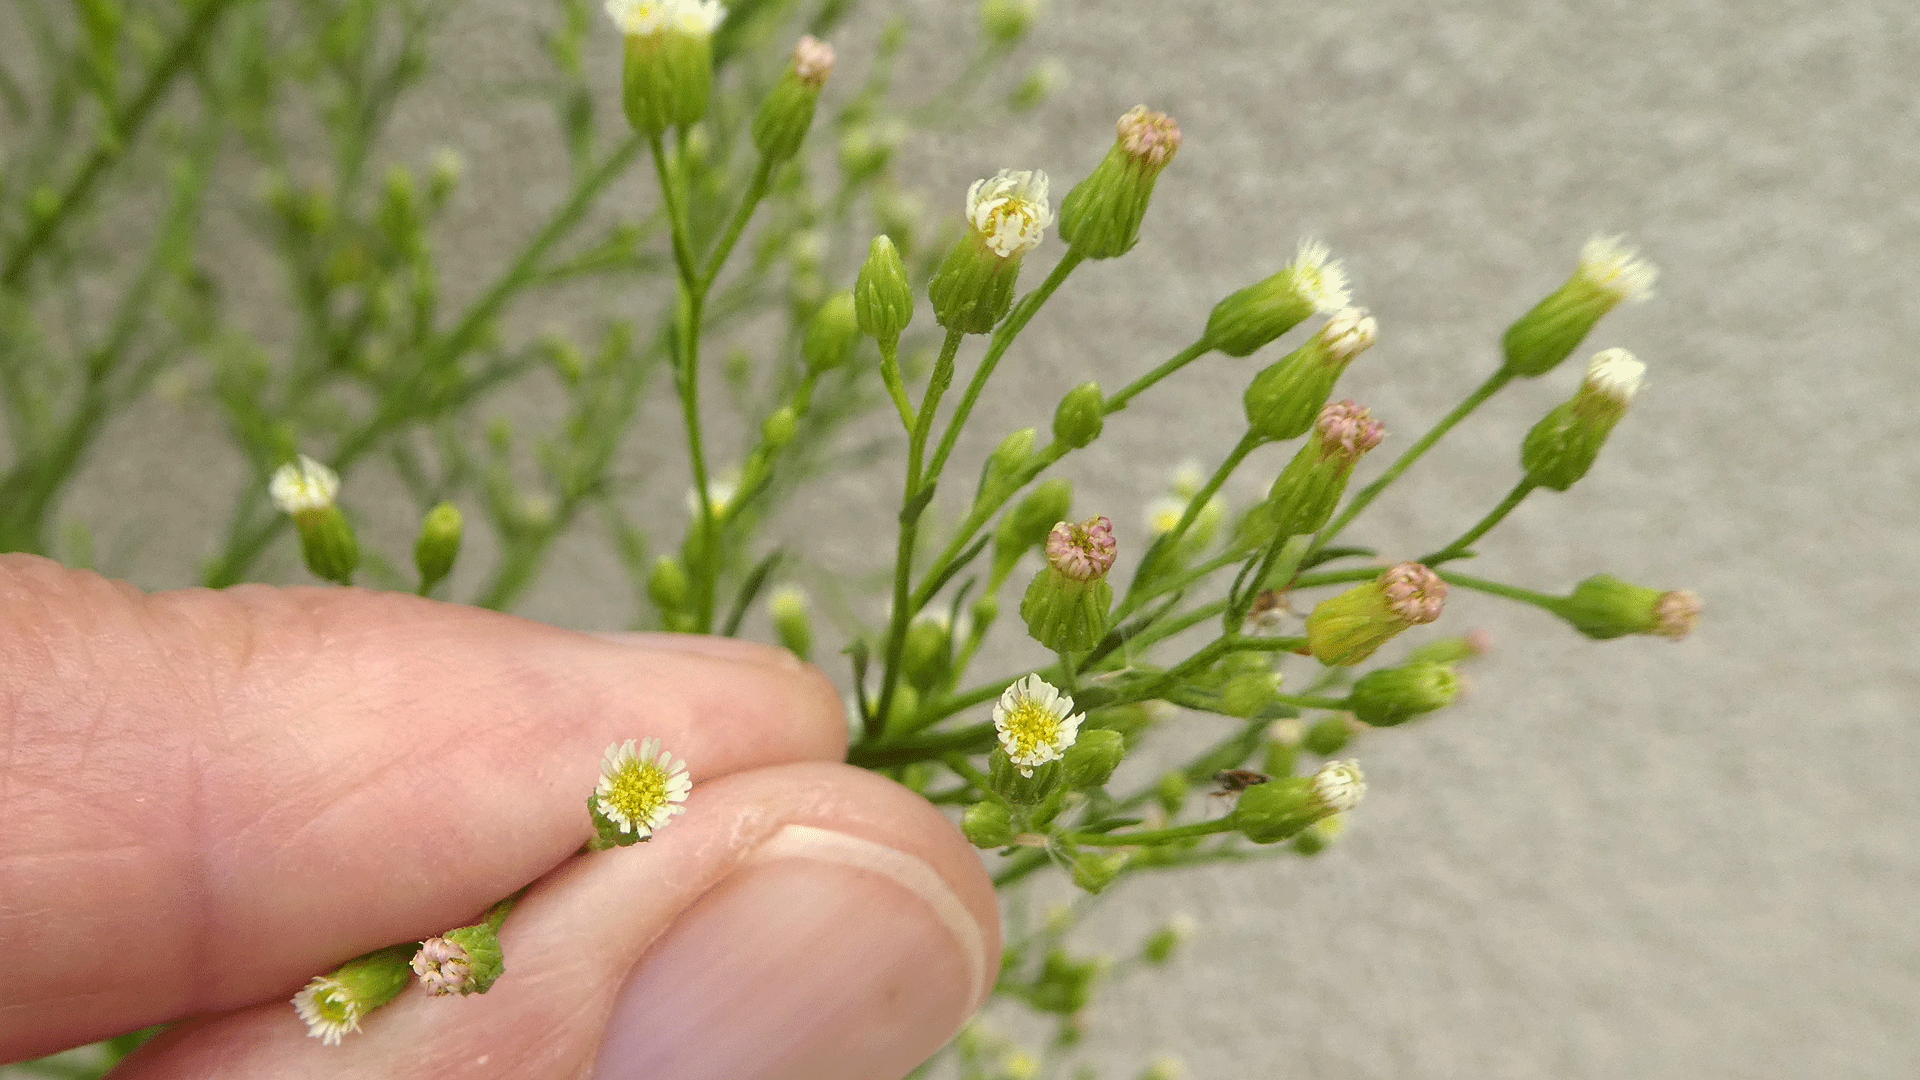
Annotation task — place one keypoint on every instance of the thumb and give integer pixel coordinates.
(799, 921)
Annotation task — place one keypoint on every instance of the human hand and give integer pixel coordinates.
(210, 797)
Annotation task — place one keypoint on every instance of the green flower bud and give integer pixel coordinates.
(1039, 85)
(883, 301)
(1452, 650)
(1066, 606)
(787, 113)
(1279, 809)
(1257, 314)
(788, 605)
(1100, 218)
(1080, 416)
(438, 546)
(1394, 695)
(1167, 940)
(927, 654)
(1247, 694)
(1026, 526)
(669, 62)
(779, 427)
(1004, 467)
(667, 585)
(831, 334)
(333, 1005)
(1005, 780)
(1608, 274)
(985, 611)
(1007, 21)
(903, 708)
(1328, 736)
(1006, 217)
(305, 490)
(1095, 870)
(1171, 792)
(1303, 498)
(1346, 629)
(1065, 986)
(1563, 445)
(988, 824)
(1283, 401)
(1316, 837)
(1130, 721)
(1282, 757)
(1604, 607)
(1090, 761)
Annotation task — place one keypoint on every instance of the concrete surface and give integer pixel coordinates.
(1615, 860)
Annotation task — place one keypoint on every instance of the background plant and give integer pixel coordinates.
(368, 369)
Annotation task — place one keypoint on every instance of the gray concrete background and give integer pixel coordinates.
(1626, 859)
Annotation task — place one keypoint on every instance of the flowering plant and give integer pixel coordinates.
(1121, 630)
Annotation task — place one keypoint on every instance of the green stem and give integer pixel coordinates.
(756, 191)
(1372, 491)
(1154, 836)
(1311, 701)
(704, 569)
(193, 35)
(890, 374)
(1179, 360)
(1003, 336)
(1458, 549)
(1541, 600)
(1136, 591)
(977, 738)
(965, 770)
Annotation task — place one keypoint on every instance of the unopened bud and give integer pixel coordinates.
(1026, 526)
(1090, 761)
(1603, 607)
(1100, 218)
(463, 961)
(1394, 695)
(439, 544)
(668, 74)
(1257, 314)
(1608, 275)
(1309, 488)
(1563, 445)
(1168, 939)
(787, 113)
(1005, 466)
(1328, 736)
(988, 824)
(1095, 870)
(1007, 21)
(831, 334)
(1346, 629)
(1283, 401)
(788, 605)
(667, 585)
(1080, 416)
(927, 653)
(883, 301)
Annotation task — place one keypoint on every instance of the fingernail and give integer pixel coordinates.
(826, 955)
(720, 648)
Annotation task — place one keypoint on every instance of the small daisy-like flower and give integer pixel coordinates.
(328, 1008)
(1010, 210)
(1036, 723)
(1339, 785)
(1188, 477)
(813, 60)
(1320, 280)
(1616, 374)
(720, 493)
(1350, 332)
(1611, 267)
(640, 792)
(303, 486)
(639, 18)
(1675, 613)
(442, 967)
(1164, 513)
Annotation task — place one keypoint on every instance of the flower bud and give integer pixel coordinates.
(787, 113)
(1168, 939)
(333, 1005)
(831, 334)
(778, 429)
(463, 961)
(1100, 218)
(1095, 870)
(1039, 85)
(1283, 401)
(1609, 274)
(1452, 650)
(791, 625)
(1303, 498)
(1025, 788)
(1090, 761)
(1315, 838)
(1328, 736)
(1066, 606)
(882, 299)
(1247, 693)
(901, 711)
(1026, 526)
(1007, 216)
(1257, 314)
(1080, 416)
(667, 585)
(668, 75)
(1563, 445)
(1346, 629)
(438, 546)
(1279, 809)
(1171, 792)
(988, 824)
(1394, 695)
(1007, 21)
(1604, 607)
(928, 651)
(1003, 468)
(306, 490)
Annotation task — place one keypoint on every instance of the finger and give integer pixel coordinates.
(209, 794)
(799, 921)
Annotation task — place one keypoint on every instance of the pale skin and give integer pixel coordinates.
(210, 797)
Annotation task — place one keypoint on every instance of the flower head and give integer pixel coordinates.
(1349, 333)
(1339, 785)
(303, 486)
(1610, 266)
(1675, 613)
(328, 1009)
(1347, 431)
(1034, 724)
(1414, 593)
(639, 18)
(813, 60)
(442, 967)
(1321, 281)
(1615, 374)
(1084, 551)
(1149, 137)
(640, 792)
(1010, 210)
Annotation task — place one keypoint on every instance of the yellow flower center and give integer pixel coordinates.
(1030, 726)
(639, 792)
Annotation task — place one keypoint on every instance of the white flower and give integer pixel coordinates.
(1164, 513)
(1189, 477)
(812, 60)
(1349, 333)
(1612, 267)
(639, 18)
(1010, 210)
(1616, 374)
(720, 492)
(1339, 785)
(303, 486)
(640, 792)
(328, 1009)
(1318, 280)
(1033, 722)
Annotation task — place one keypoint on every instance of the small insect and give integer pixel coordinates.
(1235, 781)
(1268, 609)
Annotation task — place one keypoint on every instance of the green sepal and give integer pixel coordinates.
(1066, 615)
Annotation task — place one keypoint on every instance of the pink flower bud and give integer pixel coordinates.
(1083, 552)
(1414, 592)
